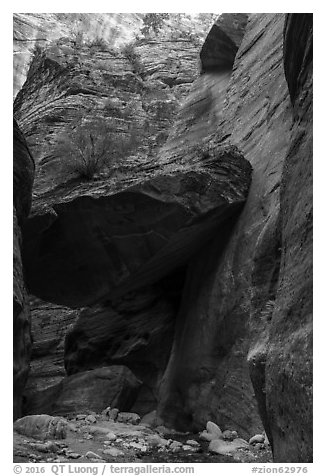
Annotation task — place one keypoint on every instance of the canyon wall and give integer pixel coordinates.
(231, 281)
(189, 260)
(289, 357)
(23, 181)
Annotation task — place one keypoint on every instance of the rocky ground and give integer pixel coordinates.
(122, 437)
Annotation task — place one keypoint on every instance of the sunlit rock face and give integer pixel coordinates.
(23, 168)
(32, 30)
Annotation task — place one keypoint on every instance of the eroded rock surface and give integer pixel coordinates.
(49, 325)
(136, 331)
(241, 317)
(207, 377)
(92, 390)
(23, 180)
(289, 355)
(126, 231)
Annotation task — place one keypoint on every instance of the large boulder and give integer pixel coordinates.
(87, 243)
(23, 181)
(42, 427)
(93, 390)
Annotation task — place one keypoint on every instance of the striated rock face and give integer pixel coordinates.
(175, 268)
(92, 243)
(135, 331)
(94, 390)
(289, 355)
(49, 325)
(231, 282)
(32, 30)
(23, 180)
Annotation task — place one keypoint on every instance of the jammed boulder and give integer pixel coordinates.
(93, 390)
(81, 246)
(23, 180)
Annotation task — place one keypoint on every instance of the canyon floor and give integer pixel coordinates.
(92, 438)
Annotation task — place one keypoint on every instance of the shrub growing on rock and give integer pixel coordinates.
(133, 57)
(89, 148)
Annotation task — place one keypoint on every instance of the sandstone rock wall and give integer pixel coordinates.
(23, 180)
(289, 356)
(89, 243)
(207, 376)
(32, 30)
(49, 325)
(180, 214)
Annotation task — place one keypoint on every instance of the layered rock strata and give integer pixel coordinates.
(93, 390)
(23, 180)
(288, 370)
(121, 235)
(207, 377)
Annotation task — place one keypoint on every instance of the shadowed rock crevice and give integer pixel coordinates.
(222, 42)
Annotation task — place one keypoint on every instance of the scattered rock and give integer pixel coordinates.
(126, 417)
(81, 417)
(213, 429)
(192, 443)
(47, 447)
(113, 452)
(256, 439)
(175, 446)
(154, 440)
(240, 443)
(91, 419)
(111, 436)
(113, 414)
(189, 448)
(212, 432)
(91, 454)
(221, 447)
(228, 435)
(260, 446)
(138, 446)
(43, 427)
(73, 455)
